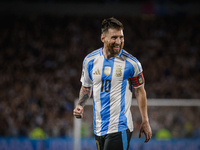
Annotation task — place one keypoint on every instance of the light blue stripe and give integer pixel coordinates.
(120, 53)
(105, 96)
(132, 58)
(124, 140)
(101, 51)
(96, 52)
(90, 68)
(122, 118)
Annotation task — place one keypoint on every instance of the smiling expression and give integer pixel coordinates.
(113, 41)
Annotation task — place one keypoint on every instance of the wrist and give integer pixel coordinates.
(80, 105)
(145, 120)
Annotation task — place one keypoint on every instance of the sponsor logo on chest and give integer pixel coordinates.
(97, 72)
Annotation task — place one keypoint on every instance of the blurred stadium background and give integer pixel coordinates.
(43, 44)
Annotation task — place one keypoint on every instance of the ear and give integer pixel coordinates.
(102, 38)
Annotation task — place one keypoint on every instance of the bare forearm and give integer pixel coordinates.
(142, 103)
(84, 95)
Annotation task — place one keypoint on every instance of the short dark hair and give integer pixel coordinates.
(111, 23)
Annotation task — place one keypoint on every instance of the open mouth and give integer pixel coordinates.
(116, 47)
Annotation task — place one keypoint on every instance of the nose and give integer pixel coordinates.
(118, 41)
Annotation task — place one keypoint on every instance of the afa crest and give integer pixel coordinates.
(107, 71)
(118, 72)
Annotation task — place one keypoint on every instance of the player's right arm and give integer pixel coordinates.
(84, 95)
(85, 91)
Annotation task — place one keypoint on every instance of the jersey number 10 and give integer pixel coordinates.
(105, 85)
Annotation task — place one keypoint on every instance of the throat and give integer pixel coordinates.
(108, 55)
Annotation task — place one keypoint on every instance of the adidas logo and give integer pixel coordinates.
(97, 72)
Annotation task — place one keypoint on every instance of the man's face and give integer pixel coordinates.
(113, 41)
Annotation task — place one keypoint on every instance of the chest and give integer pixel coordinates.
(115, 70)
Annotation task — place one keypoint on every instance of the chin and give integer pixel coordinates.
(117, 50)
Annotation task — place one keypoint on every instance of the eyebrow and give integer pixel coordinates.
(114, 36)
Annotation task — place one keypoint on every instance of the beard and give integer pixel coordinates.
(114, 49)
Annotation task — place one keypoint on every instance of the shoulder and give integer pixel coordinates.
(132, 63)
(130, 58)
(92, 55)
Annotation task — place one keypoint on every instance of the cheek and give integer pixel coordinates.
(122, 45)
(108, 42)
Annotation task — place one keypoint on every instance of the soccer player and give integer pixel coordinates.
(111, 73)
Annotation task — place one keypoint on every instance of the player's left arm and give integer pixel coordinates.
(145, 128)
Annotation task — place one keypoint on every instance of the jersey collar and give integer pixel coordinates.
(119, 55)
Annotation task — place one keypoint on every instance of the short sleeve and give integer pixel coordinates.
(137, 69)
(85, 78)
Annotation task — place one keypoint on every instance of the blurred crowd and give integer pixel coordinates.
(41, 61)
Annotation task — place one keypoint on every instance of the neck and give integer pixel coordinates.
(107, 54)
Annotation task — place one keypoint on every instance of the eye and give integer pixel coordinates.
(114, 37)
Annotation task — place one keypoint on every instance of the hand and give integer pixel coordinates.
(78, 112)
(146, 129)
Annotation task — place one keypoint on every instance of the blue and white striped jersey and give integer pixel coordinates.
(112, 90)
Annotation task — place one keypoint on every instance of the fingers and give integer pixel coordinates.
(78, 112)
(79, 116)
(148, 134)
(140, 135)
(148, 137)
(146, 129)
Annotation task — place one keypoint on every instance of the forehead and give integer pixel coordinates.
(114, 32)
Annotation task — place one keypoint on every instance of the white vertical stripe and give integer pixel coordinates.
(115, 95)
(85, 79)
(98, 64)
(128, 98)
